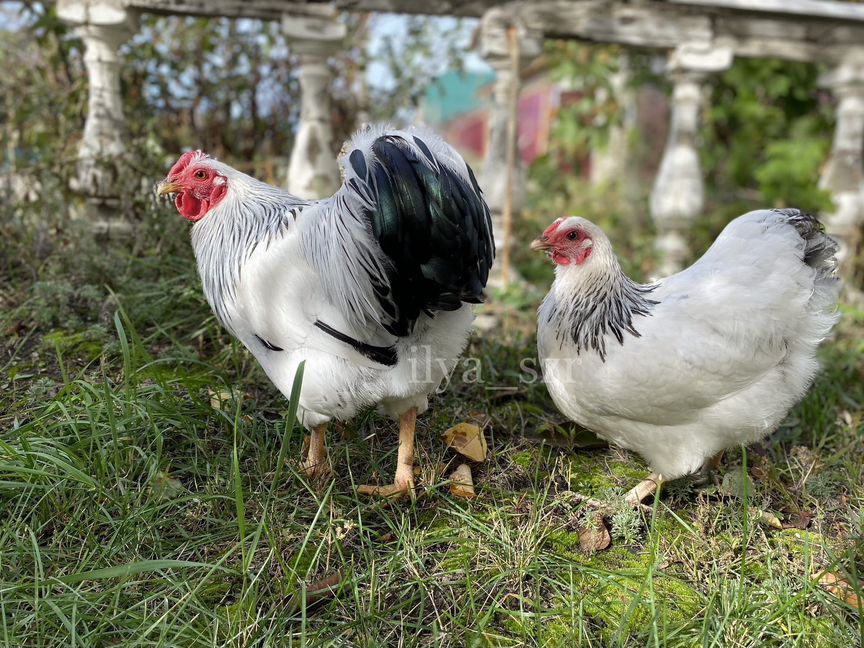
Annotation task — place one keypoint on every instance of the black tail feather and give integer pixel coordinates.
(432, 224)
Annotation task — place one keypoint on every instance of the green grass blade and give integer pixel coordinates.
(131, 569)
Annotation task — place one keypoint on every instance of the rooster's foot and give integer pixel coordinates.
(403, 485)
(391, 491)
(316, 470)
(642, 490)
(315, 465)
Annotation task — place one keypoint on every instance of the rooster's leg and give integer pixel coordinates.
(316, 464)
(643, 489)
(403, 483)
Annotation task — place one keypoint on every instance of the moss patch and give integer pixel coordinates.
(623, 598)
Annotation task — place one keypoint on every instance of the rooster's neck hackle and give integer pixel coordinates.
(251, 213)
(595, 299)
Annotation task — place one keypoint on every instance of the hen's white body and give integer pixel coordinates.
(719, 360)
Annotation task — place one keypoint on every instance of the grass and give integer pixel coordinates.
(149, 495)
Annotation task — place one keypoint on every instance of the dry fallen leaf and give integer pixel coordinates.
(767, 518)
(462, 483)
(220, 397)
(842, 590)
(467, 440)
(596, 537)
(315, 592)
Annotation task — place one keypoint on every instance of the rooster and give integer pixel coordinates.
(706, 359)
(371, 287)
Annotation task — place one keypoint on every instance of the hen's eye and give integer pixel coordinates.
(200, 174)
(572, 236)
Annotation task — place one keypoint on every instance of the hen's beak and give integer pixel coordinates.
(166, 187)
(541, 244)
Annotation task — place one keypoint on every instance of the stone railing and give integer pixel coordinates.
(701, 37)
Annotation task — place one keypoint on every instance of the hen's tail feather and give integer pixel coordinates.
(820, 250)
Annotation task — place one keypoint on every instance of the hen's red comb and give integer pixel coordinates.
(554, 226)
(185, 160)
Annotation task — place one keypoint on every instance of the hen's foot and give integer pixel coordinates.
(706, 475)
(643, 489)
(403, 483)
(316, 465)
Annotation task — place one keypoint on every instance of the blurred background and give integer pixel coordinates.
(643, 119)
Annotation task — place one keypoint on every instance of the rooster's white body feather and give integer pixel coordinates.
(721, 352)
(294, 279)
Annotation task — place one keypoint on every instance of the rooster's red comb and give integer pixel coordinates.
(185, 160)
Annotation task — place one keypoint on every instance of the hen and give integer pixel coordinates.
(371, 287)
(706, 359)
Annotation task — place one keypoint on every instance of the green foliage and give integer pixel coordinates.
(226, 86)
(791, 167)
(766, 128)
(44, 95)
(588, 109)
(765, 136)
(57, 302)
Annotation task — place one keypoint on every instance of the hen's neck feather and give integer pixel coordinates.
(590, 301)
(251, 213)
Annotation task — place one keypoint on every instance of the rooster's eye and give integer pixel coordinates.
(200, 174)
(572, 236)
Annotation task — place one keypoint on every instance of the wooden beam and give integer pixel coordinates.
(665, 25)
(260, 9)
(798, 30)
(273, 9)
(649, 24)
(461, 8)
(844, 11)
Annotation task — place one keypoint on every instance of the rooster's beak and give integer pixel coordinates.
(166, 187)
(541, 244)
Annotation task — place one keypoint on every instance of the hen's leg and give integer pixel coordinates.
(704, 476)
(714, 462)
(316, 465)
(403, 483)
(643, 489)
